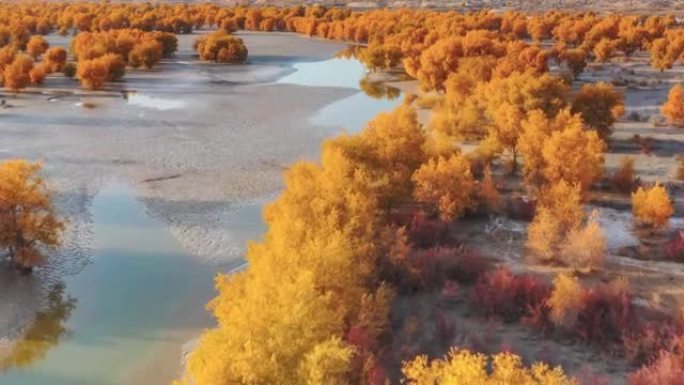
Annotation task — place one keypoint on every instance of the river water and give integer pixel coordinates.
(124, 318)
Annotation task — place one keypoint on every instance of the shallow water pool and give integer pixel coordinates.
(119, 319)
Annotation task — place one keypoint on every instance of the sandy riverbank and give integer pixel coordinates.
(202, 144)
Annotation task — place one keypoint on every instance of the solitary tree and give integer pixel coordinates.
(28, 222)
(652, 206)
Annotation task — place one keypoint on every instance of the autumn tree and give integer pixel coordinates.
(566, 301)
(623, 178)
(92, 73)
(461, 367)
(575, 59)
(36, 46)
(488, 193)
(585, 247)
(37, 74)
(447, 184)
(574, 155)
(390, 148)
(673, 109)
(55, 58)
(221, 47)
(16, 75)
(505, 104)
(600, 105)
(604, 49)
(652, 206)
(559, 212)
(438, 62)
(145, 54)
(29, 225)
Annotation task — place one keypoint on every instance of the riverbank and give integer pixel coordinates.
(202, 146)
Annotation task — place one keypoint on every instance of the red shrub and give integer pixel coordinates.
(645, 344)
(424, 232)
(537, 318)
(607, 314)
(674, 249)
(466, 266)
(668, 369)
(509, 297)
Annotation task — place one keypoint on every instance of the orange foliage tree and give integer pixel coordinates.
(29, 225)
(600, 105)
(559, 212)
(221, 47)
(16, 75)
(673, 109)
(55, 58)
(447, 184)
(652, 206)
(36, 46)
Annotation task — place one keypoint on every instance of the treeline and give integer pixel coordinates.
(428, 45)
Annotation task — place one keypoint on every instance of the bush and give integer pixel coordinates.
(623, 178)
(606, 314)
(221, 47)
(146, 54)
(674, 248)
(668, 369)
(424, 232)
(652, 206)
(559, 212)
(644, 344)
(584, 248)
(69, 70)
(504, 295)
(565, 302)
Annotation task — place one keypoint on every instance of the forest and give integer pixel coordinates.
(380, 225)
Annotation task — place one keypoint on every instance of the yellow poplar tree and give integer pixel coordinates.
(652, 205)
(574, 155)
(29, 224)
(461, 367)
(559, 212)
(447, 184)
(673, 109)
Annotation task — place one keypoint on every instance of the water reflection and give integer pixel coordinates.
(378, 90)
(352, 112)
(45, 332)
(139, 301)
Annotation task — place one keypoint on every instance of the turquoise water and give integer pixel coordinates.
(130, 310)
